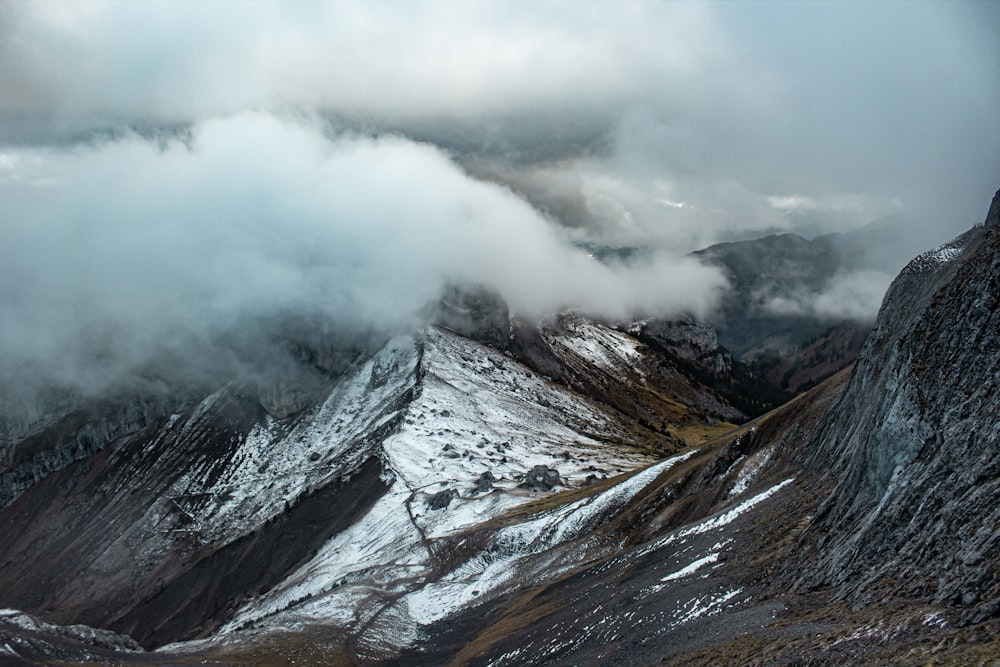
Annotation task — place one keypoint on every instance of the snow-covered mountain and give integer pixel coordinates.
(566, 492)
(225, 516)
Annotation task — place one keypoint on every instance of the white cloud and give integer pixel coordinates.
(138, 246)
(854, 295)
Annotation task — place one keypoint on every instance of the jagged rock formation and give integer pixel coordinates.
(993, 216)
(541, 478)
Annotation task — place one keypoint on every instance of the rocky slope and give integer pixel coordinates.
(156, 527)
(857, 524)
(917, 438)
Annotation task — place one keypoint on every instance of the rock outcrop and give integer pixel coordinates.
(541, 478)
(916, 441)
(478, 313)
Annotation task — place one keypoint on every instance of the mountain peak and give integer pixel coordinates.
(993, 216)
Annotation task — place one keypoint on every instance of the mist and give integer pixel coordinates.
(121, 252)
(173, 172)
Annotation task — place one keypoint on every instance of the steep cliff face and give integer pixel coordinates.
(73, 435)
(916, 438)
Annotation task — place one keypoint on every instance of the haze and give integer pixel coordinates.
(170, 171)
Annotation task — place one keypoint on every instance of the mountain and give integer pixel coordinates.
(178, 516)
(489, 491)
(857, 524)
(798, 310)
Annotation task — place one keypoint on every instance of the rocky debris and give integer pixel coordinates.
(74, 437)
(442, 499)
(541, 478)
(14, 622)
(485, 482)
(684, 337)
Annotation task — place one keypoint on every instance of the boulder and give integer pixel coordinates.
(485, 482)
(442, 499)
(541, 478)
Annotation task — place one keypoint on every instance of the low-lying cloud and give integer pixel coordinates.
(855, 295)
(120, 252)
(156, 192)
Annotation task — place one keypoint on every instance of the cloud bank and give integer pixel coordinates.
(170, 171)
(117, 253)
(764, 116)
(855, 295)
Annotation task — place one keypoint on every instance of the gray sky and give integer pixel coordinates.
(351, 158)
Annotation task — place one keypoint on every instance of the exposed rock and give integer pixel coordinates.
(993, 215)
(485, 482)
(26, 636)
(478, 313)
(442, 499)
(74, 437)
(684, 337)
(541, 478)
(916, 438)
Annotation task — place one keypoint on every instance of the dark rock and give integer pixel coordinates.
(541, 478)
(914, 439)
(993, 215)
(485, 482)
(478, 313)
(442, 499)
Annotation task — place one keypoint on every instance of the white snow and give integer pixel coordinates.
(709, 606)
(749, 471)
(601, 346)
(693, 567)
(944, 253)
(490, 571)
(477, 410)
(717, 521)
(272, 467)
(934, 620)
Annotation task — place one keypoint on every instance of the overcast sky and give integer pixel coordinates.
(168, 164)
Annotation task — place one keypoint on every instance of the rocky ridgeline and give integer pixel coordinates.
(916, 441)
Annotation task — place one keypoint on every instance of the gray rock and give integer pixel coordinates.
(442, 499)
(541, 478)
(915, 437)
(993, 216)
(478, 313)
(485, 482)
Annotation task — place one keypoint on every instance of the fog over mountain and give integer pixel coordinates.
(170, 172)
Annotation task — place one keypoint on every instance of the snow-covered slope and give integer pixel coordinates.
(433, 435)
(477, 412)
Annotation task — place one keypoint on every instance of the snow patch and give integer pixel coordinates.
(718, 521)
(709, 606)
(476, 410)
(693, 567)
(750, 470)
